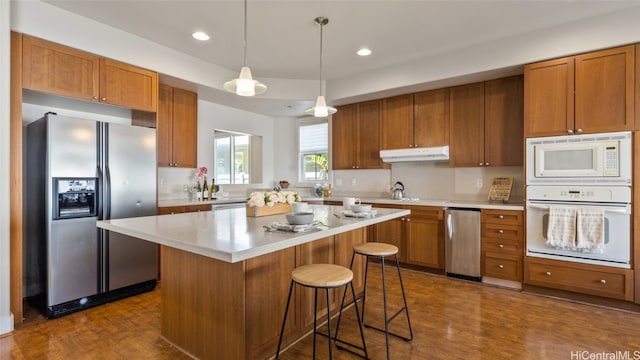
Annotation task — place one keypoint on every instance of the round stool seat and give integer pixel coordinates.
(322, 275)
(375, 249)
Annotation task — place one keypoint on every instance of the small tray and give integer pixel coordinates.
(282, 226)
(368, 214)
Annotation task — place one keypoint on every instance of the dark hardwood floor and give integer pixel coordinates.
(451, 318)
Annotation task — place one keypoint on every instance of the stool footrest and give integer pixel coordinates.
(390, 333)
(337, 342)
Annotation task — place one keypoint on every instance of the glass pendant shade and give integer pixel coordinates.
(321, 109)
(244, 85)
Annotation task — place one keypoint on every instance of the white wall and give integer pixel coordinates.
(6, 318)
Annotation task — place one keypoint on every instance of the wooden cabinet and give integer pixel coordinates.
(165, 210)
(397, 123)
(416, 120)
(502, 244)
(355, 139)
(419, 236)
(503, 122)
(425, 239)
(586, 93)
(61, 70)
(597, 280)
(467, 125)
(431, 118)
(177, 127)
(486, 123)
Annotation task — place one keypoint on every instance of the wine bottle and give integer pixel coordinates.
(205, 189)
(212, 189)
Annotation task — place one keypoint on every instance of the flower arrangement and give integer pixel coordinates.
(270, 198)
(202, 171)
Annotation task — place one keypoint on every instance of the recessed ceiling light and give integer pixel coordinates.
(199, 35)
(364, 52)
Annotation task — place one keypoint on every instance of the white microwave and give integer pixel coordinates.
(594, 159)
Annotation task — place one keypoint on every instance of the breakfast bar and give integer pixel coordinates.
(225, 276)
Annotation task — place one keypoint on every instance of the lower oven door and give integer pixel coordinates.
(617, 234)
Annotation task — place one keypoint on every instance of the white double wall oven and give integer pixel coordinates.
(577, 172)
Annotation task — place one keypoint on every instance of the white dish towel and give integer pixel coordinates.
(590, 232)
(561, 232)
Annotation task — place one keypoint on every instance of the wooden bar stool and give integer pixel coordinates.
(324, 276)
(381, 250)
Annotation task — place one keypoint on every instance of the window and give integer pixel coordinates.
(232, 158)
(313, 142)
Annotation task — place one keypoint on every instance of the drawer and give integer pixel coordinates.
(507, 217)
(503, 268)
(170, 210)
(502, 246)
(583, 278)
(502, 231)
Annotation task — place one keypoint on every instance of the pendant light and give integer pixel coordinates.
(321, 109)
(244, 85)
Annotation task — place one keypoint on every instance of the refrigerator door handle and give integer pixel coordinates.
(99, 191)
(450, 226)
(107, 194)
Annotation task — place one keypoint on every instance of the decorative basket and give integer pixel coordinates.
(254, 211)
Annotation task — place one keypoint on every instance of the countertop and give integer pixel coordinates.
(229, 235)
(476, 204)
(181, 202)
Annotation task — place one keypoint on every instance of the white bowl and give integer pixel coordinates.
(360, 208)
(299, 218)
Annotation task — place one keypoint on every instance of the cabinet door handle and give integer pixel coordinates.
(570, 131)
(548, 273)
(579, 131)
(104, 99)
(501, 246)
(501, 266)
(480, 164)
(603, 281)
(410, 145)
(95, 98)
(500, 216)
(501, 231)
(408, 219)
(486, 164)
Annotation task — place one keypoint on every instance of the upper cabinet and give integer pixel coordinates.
(467, 125)
(586, 93)
(355, 142)
(431, 118)
(416, 120)
(486, 123)
(397, 122)
(177, 127)
(61, 70)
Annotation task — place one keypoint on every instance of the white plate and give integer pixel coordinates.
(367, 214)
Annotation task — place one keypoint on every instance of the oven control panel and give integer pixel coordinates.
(580, 193)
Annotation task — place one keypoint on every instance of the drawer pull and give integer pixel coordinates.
(501, 246)
(548, 273)
(603, 281)
(501, 216)
(501, 266)
(501, 231)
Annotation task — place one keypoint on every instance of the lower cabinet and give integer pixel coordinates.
(502, 240)
(419, 236)
(597, 280)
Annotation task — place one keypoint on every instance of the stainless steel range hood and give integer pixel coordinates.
(436, 153)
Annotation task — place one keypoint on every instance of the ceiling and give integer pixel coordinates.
(283, 40)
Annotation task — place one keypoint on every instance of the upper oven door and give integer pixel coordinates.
(617, 236)
(596, 159)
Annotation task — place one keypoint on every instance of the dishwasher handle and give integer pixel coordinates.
(449, 226)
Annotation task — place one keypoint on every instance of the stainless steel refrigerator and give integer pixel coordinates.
(80, 171)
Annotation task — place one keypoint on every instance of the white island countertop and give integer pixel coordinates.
(229, 235)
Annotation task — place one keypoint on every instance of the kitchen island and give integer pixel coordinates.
(225, 279)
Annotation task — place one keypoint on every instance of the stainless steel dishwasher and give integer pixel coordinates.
(462, 243)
